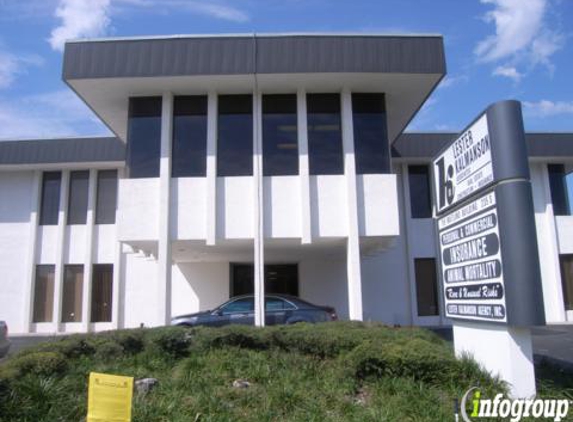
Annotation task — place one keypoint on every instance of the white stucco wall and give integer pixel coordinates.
(15, 202)
(140, 293)
(199, 286)
(188, 208)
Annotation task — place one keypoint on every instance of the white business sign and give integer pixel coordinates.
(465, 167)
(472, 265)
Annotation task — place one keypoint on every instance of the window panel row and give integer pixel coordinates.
(77, 208)
(72, 293)
(279, 131)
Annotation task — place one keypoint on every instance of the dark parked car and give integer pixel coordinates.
(279, 309)
(4, 342)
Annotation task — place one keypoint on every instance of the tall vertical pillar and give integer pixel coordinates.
(88, 258)
(303, 167)
(33, 235)
(211, 223)
(354, 277)
(60, 247)
(164, 263)
(258, 226)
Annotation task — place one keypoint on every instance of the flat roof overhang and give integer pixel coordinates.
(106, 72)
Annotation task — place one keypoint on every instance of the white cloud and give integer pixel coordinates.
(450, 81)
(516, 24)
(508, 72)
(80, 18)
(214, 9)
(92, 18)
(52, 114)
(522, 36)
(546, 108)
(12, 65)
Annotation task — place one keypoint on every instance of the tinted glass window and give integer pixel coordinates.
(72, 293)
(567, 280)
(235, 135)
(420, 198)
(78, 197)
(44, 293)
(106, 201)
(189, 149)
(277, 304)
(50, 198)
(558, 185)
(324, 134)
(241, 305)
(370, 137)
(102, 292)
(426, 286)
(280, 147)
(144, 137)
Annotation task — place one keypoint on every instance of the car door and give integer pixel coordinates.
(276, 310)
(240, 311)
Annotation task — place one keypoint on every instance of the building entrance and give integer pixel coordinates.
(279, 279)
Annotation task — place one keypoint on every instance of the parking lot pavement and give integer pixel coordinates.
(22, 342)
(552, 342)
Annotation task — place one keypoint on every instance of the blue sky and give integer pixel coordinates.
(495, 49)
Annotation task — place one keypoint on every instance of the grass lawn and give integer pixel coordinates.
(326, 372)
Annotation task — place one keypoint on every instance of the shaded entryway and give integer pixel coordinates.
(279, 279)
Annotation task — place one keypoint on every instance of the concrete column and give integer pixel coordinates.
(505, 351)
(117, 316)
(164, 263)
(258, 235)
(547, 238)
(303, 168)
(211, 222)
(32, 247)
(88, 258)
(60, 246)
(353, 242)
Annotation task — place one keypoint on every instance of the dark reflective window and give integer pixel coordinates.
(420, 198)
(106, 201)
(558, 185)
(72, 293)
(78, 197)
(241, 305)
(102, 292)
(426, 286)
(44, 293)
(370, 137)
(50, 207)
(235, 135)
(567, 280)
(324, 134)
(280, 148)
(189, 149)
(144, 137)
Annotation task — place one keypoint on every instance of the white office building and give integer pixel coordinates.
(241, 164)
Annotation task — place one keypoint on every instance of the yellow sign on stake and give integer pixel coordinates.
(109, 398)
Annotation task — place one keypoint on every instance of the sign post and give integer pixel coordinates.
(489, 265)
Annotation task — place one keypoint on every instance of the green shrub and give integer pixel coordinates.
(415, 358)
(39, 363)
(132, 341)
(171, 341)
(240, 336)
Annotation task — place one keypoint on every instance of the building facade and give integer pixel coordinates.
(243, 164)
